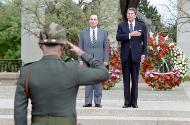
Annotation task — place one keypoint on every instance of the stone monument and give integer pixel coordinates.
(183, 27)
(29, 41)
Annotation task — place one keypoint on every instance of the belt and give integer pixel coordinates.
(53, 120)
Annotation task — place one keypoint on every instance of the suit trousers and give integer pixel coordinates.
(130, 70)
(95, 90)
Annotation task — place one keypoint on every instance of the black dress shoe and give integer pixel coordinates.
(98, 105)
(134, 106)
(87, 105)
(126, 106)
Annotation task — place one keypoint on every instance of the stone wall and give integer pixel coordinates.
(183, 28)
(29, 42)
(8, 78)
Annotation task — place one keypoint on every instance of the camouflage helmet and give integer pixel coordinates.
(53, 33)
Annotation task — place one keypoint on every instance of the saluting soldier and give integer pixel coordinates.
(52, 84)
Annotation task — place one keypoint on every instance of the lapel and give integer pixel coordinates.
(136, 26)
(88, 35)
(98, 34)
(127, 26)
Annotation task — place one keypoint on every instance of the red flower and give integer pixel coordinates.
(161, 39)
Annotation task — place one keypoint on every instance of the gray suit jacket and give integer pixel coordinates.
(99, 50)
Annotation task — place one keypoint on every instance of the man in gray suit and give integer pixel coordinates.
(93, 41)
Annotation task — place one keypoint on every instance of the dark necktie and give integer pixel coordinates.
(131, 30)
(93, 37)
(131, 27)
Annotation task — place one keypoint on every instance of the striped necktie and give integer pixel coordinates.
(93, 37)
(131, 27)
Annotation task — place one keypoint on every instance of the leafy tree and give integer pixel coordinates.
(92, 8)
(68, 14)
(10, 30)
(151, 12)
(172, 30)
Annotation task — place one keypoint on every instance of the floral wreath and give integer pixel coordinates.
(114, 68)
(166, 65)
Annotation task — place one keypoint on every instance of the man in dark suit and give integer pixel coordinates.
(52, 84)
(133, 37)
(93, 41)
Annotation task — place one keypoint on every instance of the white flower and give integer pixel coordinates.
(171, 44)
(151, 75)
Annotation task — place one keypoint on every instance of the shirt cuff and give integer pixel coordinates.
(129, 36)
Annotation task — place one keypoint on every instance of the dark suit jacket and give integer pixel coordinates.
(138, 43)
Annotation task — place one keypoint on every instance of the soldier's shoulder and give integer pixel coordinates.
(28, 64)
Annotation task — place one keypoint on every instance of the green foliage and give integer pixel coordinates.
(151, 12)
(92, 8)
(70, 15)
(10, 30)
(187, 78)
(172, 29)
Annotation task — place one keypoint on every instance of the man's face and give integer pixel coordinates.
(93, 21)
(131, 15)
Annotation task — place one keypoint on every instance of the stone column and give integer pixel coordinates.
(29, 42)
(183, 28)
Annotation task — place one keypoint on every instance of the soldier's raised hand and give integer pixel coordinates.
(75, 49)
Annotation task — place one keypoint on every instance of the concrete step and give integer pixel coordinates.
(109, 106)
(107, 120)
(114, 120)
(119, 112)
(115, 115)
(148, 113)
(155, 107)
